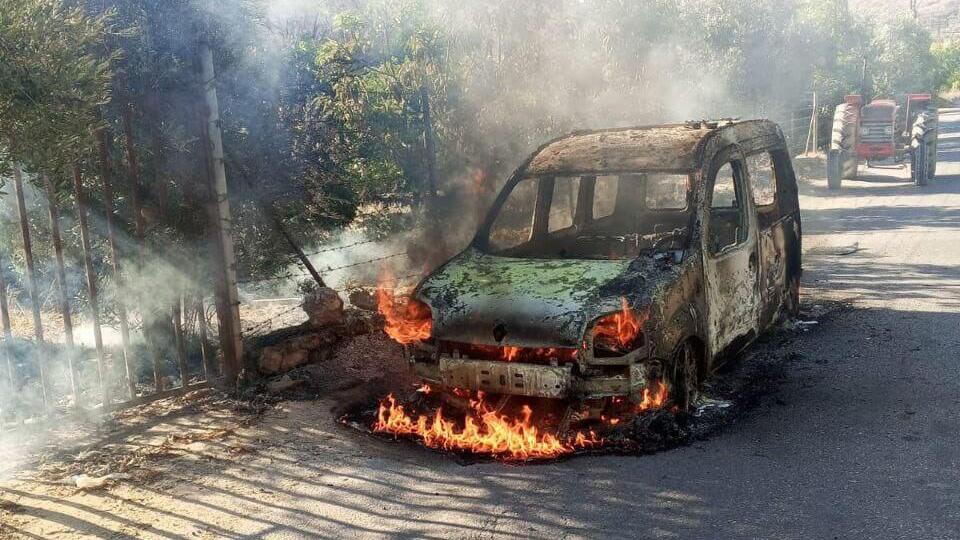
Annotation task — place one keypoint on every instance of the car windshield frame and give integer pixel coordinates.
(680, 235)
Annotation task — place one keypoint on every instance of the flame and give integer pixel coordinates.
(407, 322)
(484, 431)
(653, 400)
(618, 330)
(510, 353)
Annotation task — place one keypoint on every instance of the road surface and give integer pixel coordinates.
(859, 440)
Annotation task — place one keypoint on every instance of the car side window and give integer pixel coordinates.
(605, 196)
(563, 205)
(728, 223)
(763, 179)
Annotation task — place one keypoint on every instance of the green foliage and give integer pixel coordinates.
(947, 65)
(53, 76)
(903, 62)
(370, 103)
(323, 121)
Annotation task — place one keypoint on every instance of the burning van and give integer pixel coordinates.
(618, 264)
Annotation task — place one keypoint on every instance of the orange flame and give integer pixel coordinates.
(653, 400)
(405, 323)
(484, 432)
(618, 330)
(510, 353)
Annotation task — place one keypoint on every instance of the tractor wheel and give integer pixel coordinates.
(934, 128)
(918, 164)
(923, 143)
(833, 169)
(844, 139)
(685, 382)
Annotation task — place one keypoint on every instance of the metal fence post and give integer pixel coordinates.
(62, 286)
(91, 284)
(31, 278)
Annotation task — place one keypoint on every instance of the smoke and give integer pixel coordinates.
(514, 75)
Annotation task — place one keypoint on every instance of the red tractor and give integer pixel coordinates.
(878, 132)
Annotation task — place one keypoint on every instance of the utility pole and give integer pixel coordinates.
(816, 125)
(225, 278)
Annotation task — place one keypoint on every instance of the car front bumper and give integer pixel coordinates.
(533, 380)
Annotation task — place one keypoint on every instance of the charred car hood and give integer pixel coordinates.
(494, 300)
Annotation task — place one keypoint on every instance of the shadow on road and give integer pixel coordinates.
(877, 281)
(303, 482)
(879, 218)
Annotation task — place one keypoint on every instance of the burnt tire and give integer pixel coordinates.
(685, 379)
(844, 139)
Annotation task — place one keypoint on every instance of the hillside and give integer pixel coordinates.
(942, 17)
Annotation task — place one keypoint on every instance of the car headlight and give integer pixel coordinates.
(405, 323)
(620, 331)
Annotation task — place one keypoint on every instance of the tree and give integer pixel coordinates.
(52, 81)
(946, 57)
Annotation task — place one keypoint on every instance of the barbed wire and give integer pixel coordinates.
(267, 325)
(340, 248)
(254, 330)
(290, 275)
(361, 263)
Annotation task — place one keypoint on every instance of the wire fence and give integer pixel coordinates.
(328, 269)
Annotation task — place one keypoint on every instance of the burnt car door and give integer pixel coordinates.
(730, 258)
(771, 241)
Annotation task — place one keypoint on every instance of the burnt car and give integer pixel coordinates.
(619, 261)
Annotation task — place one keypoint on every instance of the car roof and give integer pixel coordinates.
(668, 147)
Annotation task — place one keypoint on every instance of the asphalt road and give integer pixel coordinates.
(858, 439)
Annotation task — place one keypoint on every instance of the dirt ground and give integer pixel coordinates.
(852, 432)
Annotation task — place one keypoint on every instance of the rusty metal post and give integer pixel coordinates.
(202, 336)
(225, 278)
(62, 286)
(31, 278)
(102, 372)
(105, 173)
(177, 319)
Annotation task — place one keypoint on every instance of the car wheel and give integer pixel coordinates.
(685, 386)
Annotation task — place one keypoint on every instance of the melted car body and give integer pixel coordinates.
(616, 260)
